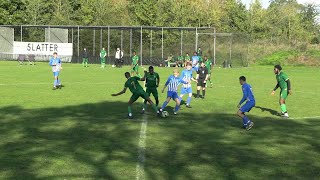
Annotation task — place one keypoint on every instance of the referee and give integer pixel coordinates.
(202, 77)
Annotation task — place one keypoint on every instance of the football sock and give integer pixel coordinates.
(283, 108)
(55, 83)
(157, 101)
(129, 109)
(245, 120)
(188, 100)
(164, 105)
(203, 93)
(198, 92)
(155, 107)
(176, 109)
(144, 105)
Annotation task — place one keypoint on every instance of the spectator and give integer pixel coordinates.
(118, 57)
(85, 57)
(21, 58)
(31, 58)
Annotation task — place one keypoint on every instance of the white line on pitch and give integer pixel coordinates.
(141, 151)
(311, 117)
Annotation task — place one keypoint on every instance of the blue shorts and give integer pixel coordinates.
(195, 68)
(186, 90)
(173, 95)
(56, 73)
(247, 106)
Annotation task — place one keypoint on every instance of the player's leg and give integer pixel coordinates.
(144, 105)
(133, 98)
(209, 79)
(154, 92)
(83, 62)
(189, 91)
(86, 62)
(55, 82)
(282, 102)
(199, 83)
(137, 71)
(247, 124)
(146, 97)
(165, 103)
(203, 89)
(177, 107)
(183, 91)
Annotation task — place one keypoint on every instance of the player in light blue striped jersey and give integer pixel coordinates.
(55, 63)
(172, 83)
(186, 75)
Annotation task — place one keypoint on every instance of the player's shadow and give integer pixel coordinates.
(271, 111)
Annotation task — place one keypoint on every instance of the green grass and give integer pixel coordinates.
(81, 131)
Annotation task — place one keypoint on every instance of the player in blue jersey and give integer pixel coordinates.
(186, 75)
(195, 61)
(55, 63)
(250, 103)
(172, 84)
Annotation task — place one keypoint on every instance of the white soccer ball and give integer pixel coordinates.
(113, 65)
(164, 114)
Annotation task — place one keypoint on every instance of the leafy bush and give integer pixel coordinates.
(279, 57)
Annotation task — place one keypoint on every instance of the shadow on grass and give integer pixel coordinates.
(95, 141)
(271, 111)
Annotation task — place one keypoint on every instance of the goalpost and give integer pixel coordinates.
(226, 49)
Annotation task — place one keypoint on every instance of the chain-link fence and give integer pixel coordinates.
(152, 44)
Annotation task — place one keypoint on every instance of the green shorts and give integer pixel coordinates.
(135, 68)
(138, 94)
(284, 93)
(153, 91)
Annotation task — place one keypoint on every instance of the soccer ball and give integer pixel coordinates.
(113, 65)
(164, 114)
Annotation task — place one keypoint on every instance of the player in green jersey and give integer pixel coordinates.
(136, 90)
(103, 55)
(284, 83)
(152, 82)
(135, 64)
(209, 66)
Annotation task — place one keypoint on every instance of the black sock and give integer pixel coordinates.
(198, 93)
(157, 101)
(203, 92)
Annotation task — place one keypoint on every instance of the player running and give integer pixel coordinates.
(186, 75)
(250, 103)
(152, 82)
(209, 66)
(135, 64)
(172, 84)
(284, 83)
(136, 90)
(202, 77)
(55, 63)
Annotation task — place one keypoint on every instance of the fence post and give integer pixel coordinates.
(141, 45)
(162, 43)
(78, 43)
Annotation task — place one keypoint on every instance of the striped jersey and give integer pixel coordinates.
(55, 63)
(173, 83)
(186, 75)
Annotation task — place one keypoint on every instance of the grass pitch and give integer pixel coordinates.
(81, 131)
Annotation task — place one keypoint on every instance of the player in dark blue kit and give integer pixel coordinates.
(250, 103)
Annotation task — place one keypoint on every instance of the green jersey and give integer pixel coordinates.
(282, 78)
(152, 79)
(103, 53)
(208, 64)
(135, 59)
(133, 84)
(187, 58)
(180, 58)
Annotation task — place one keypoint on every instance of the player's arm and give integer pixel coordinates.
(158, 80)
(121, 92)
(245, 95)
(144, 77)
(288, 85)
(165, 85)
(275, 88)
